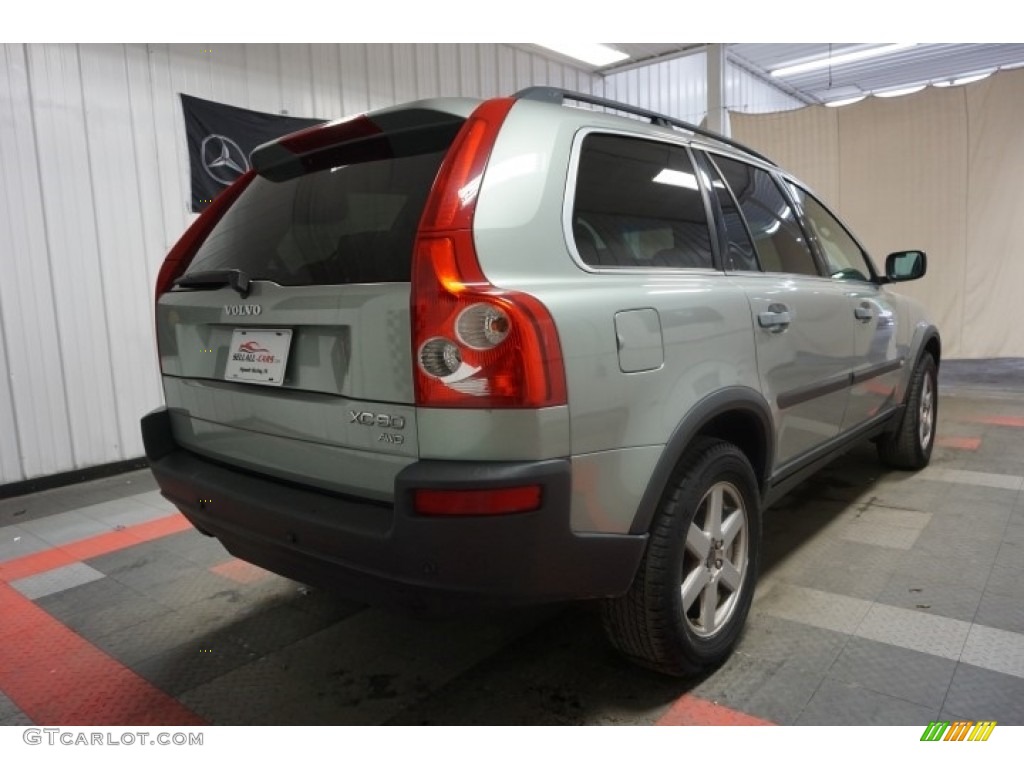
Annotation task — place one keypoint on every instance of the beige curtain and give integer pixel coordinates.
(941, 170)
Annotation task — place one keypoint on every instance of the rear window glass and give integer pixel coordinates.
(638, 204)
(350, 223)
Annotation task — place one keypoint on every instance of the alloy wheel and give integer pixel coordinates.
(715, 560)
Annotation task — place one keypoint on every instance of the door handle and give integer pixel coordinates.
(775, 321)
(863, 313)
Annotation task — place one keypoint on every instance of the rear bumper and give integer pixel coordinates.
(384, 553)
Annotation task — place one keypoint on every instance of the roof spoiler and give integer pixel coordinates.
(286, 157)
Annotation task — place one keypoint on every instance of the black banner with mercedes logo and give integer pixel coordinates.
(220, 138)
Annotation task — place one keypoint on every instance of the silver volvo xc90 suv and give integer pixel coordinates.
(537, 348)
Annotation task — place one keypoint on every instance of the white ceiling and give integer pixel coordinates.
(924, 63)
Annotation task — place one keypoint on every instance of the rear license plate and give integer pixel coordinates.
(258, 356)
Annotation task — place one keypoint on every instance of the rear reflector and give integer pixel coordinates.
(494, 501)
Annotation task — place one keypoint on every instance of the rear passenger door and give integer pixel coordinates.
(800, 318)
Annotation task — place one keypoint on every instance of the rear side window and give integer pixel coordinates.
(638, 204)
(352, 222)
(738, 254)
(778, 238)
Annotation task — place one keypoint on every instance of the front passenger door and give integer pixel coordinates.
(877, 363)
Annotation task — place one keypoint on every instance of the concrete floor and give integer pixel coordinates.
(885, 598)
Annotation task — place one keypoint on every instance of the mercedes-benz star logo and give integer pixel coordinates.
(223, 159)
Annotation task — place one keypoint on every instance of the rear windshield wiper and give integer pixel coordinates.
(216, 278)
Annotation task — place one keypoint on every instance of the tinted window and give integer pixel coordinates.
(638, 204)
(351, 223)
(843, 257)
(739, 248)
(778, 238)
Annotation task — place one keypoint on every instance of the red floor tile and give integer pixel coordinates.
(691, 710)
(962, 443)
(240, 571)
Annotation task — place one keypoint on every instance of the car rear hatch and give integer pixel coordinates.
(285, 345)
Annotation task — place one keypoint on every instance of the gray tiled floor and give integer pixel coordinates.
(850, 568)
(1005, 580)
(10, 714)
(938, 598)
(101, 607)
(917, 631)
(22, 509)
(1010, 554)
(980, 694)
(841, 703)
(204, 551)
(995, 649)
(142, 567)
(893, 671)
(123, 512)
(65, 527)
(1002, 611)
(16, 541)
(57, 580)
(886, 597)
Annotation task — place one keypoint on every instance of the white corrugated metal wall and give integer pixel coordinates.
(94, 188)
(746, 93)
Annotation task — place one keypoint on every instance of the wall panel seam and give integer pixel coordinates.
(99, 250)
(967, 224)
(4, 343)
(49, 253)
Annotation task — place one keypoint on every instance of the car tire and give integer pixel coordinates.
(909, 446)
(692, 592)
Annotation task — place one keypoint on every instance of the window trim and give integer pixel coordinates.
(569, 202)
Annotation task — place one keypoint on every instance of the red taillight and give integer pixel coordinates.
(496, 501)
(181, 255)
(475, 345)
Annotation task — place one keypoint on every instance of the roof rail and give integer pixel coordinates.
(558, 95)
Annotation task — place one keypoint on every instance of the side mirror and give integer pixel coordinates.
(905, 265)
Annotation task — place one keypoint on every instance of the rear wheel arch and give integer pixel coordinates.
(694, 586)
(736, 415)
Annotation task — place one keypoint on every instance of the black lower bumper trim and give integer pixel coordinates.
(388, 554)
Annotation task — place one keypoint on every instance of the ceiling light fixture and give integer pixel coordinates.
(963, 79)
(844, 102)
(676, 179)
(842, 58)
(971, 78)
(595, 54)
(899, 91)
